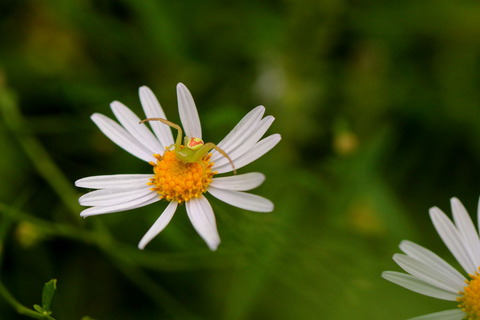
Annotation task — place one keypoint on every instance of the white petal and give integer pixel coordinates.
(427, 273)
(240, 182)
(201, 215)
(429, 258)
(152, 109)
(137, 203)
(417, 285)
(138, 130)
(113, 196)
(121, 137)
(262, 147)
(114, 181)
(238, 134)
(159, 225)
(452, 239)
(478, 214)
(249, 142)
(454, 314)
(467, 230)
(242, 200)
(188, 112)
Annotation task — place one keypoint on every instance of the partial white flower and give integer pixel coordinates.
(172, 179)
(432, 276)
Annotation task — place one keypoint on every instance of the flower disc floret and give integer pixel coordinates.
(469, 301)
(180, 181)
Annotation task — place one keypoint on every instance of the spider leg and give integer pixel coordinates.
(178, 141)
(211, 145)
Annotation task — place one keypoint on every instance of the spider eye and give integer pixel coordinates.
(195, 143)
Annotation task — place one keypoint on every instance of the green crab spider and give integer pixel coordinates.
(195, 149)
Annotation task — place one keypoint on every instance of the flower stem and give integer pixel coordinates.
(21, 309)
(34, 150)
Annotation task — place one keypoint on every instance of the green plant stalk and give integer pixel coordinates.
(99, 237)
(39, 157)
(21, 309)
(48, 227)
(115, 251)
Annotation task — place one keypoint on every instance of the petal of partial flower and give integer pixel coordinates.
(113, 196)
(239, 182)
(114, 180)
(478, 214)
(201, 215)
(453, 314)
(188, 112)
(430, 258)
(139, 131)
(260, 148)
(242, 200)
(121, 137)
(240, 132)
(137, 203)
(153, 109)
(159, 225)
(467, 230)
(427, 273)
(416, 285)
(452, 239)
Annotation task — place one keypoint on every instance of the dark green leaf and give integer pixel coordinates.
(47, 295)
(38, 308)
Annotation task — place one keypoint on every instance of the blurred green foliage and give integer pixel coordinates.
(378, 103)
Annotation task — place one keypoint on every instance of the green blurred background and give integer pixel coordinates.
(378, 104)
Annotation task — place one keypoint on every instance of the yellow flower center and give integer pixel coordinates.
(470, 299)
(180, 181)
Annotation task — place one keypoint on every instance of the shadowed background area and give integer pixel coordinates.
(378, 104)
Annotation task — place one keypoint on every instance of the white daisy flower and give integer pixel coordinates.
(432, 276)
(178, 176)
